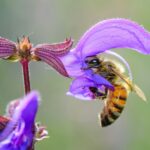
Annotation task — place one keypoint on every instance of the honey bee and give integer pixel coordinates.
(114, 100)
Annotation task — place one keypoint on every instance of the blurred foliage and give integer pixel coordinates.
(72, 124)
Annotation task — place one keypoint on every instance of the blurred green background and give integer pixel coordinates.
(73, 124)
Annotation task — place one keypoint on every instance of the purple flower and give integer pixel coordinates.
(24, 50)
(101, 38)
(20, 131)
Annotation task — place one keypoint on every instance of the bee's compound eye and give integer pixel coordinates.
(92, 62)
(95, 61)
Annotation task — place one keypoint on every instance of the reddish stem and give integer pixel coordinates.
(26, 76)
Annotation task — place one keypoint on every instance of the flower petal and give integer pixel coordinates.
(28, 107)
(80, 86)
(72, 64)
(99, 80)
(113, 33)
(23, 120)
(7, 47)
(53, 61)
(57, 49)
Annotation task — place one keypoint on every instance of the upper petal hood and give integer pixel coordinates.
(113, 33)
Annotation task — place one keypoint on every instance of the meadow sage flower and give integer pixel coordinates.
(99, 39)
(18, 128)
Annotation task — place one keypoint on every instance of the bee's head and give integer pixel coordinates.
(92, 62)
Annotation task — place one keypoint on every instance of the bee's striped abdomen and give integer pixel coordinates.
(115, 103)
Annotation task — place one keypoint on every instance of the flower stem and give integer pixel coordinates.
(26, 76)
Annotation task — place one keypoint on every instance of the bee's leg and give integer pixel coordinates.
(104, 95)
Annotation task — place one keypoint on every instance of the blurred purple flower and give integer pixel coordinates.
(102, 37)
(48, 53)
(20, 131)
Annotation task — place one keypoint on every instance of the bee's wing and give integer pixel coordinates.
(139, 92)
(133, 87)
